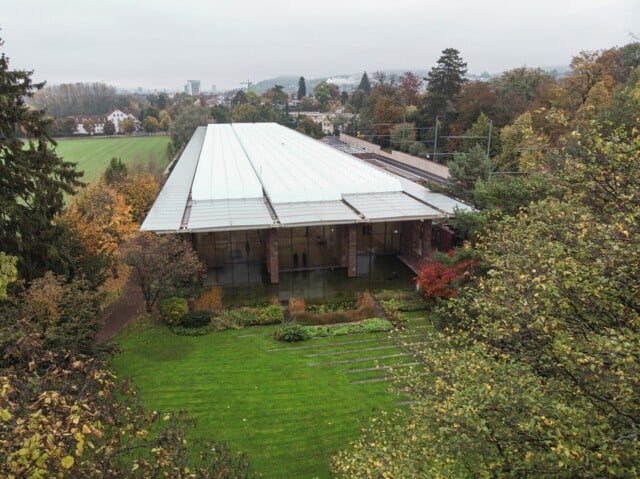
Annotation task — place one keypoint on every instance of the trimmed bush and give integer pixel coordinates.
(172, 309)
(230, 319)
(196, 319)
(291, 333)
(179, 330)
(333, 306)
(271, 314)
(372, 325)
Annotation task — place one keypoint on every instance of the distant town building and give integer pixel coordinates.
(98, 122)
(213, 88)
(192, 87)
(116, 116)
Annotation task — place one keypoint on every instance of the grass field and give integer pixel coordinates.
(93, 154)
(290, 407)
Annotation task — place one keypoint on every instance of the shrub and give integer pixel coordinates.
(211, 299)
(180, 330)
(333, 306)
(392, 309)
(418, 149)
(173, 308)
(229, 319)
(366, 305)
(291, 333)
(371, 325)
(272, 314)
(296, 305)
(333, 317)
(196, 319)
(439, 280)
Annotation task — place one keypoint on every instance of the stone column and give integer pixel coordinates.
(271, 255)
(426, 250)
(351, 248)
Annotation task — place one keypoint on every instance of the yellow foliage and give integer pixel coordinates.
(210, 300)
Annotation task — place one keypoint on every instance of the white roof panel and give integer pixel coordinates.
(391, 206)
(319, 212)
(224, 171)
(293, 168)
(437, 200)
(219, 183)
(249, 213)
(168, 210)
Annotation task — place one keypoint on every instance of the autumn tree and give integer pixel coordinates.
(64, 414)
(89, 126)
(63, 126)
(150, 124)
(33, 180)
(162, 264)
(61, 314)
(128, 126)
(535, 374)
(326, 93)
(473, 99)
(102, 220)
(164, 120)
(518, 89)
(248, 112)
(8, 273)
(276, 96)
(309, 127)
(139, 191)
(410, 85)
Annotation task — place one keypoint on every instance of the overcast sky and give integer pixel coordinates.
(159, 44)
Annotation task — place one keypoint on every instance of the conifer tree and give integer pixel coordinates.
(302, 88)
(33, 179)
(365, 85)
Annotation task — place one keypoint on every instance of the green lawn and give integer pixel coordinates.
(289, 406)
(93, 154)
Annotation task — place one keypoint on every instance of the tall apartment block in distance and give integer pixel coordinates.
(192, 87)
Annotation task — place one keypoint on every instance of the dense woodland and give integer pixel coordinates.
(533, 368)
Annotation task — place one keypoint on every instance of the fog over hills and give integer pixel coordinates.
(350, 81)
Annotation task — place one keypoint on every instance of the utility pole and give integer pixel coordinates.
(249, 84)
(489, 139)
(435, 140)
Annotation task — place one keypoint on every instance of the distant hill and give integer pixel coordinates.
(350, 81)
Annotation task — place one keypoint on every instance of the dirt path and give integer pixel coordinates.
(120, 313)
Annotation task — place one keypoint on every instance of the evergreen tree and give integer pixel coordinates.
(365, 85)
(467, 168)
(447, 77)
(33, 179)
(302, 88)
(445, 80)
